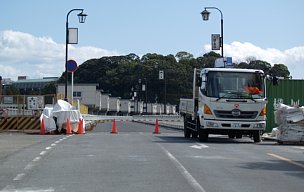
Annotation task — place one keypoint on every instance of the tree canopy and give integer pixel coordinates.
(119, 75)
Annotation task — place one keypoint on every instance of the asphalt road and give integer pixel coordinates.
(136, 160)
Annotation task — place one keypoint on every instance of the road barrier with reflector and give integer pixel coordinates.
(19, 123)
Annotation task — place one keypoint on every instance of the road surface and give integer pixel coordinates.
(136, 160)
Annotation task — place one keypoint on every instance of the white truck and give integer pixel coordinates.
(225, 101)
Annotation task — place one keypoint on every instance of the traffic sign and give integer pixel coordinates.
(215, 41)
(161, 75)
(71, 65)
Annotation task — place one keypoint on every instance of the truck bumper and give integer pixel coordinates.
(237, 125)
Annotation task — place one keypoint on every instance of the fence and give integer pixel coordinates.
(22, 112)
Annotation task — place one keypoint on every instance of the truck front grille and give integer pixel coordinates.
(231, 115)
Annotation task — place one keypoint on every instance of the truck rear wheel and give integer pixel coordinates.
(195, 131)
(187, 132)
(256, 136)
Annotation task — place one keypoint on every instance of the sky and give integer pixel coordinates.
(32, 32)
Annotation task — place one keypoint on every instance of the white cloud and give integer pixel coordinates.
(37, 57)
(293, 58)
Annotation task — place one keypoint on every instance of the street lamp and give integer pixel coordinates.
(82, 18)
(205, 14)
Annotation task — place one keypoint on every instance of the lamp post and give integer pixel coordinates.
(205, 14)
(81, 17)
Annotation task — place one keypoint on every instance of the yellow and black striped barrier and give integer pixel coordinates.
(19, 123)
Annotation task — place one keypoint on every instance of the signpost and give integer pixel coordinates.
(71, 67)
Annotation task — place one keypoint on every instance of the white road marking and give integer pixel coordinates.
(19, 177)
(199, 146)
(299, 148)
(29, 166)
(43, 153)
(191, 180)
(36, 159)
(211, 157)
(12, 189)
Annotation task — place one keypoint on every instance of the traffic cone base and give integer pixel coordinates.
(68, 127)
(156, 129)
(80, 126)
(114, 129)
(42, 127)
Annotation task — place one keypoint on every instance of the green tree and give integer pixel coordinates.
(280, 70)
(262, 65)
(183, 55)
(243, 65)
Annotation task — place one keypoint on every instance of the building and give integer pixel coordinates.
(86, 93)
(25, 85)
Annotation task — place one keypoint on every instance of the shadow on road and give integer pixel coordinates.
(276, 165)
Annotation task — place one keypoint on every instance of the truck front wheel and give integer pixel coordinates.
(256, 136)
(203, 134)
(187, 132)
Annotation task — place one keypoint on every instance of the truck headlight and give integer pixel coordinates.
(211, 124)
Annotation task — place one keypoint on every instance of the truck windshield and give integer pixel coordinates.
(235, 85)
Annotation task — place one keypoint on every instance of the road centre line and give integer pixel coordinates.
(19, 177)
(287, 160)
(191, 180)
(36, 159)
(29, 166)
(48, 148)
(43, 153)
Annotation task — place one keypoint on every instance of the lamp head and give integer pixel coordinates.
(82, 17)
(205, 14)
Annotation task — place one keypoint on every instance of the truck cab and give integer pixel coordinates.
(226, 101)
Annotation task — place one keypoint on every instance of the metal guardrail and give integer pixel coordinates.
(164, 120)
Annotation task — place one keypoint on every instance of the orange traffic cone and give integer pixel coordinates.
(114, 129)
(156, 130)
(80, 126)
(68, 127)
(42, 127)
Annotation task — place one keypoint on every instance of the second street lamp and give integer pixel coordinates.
(205, 14)
(82, 18)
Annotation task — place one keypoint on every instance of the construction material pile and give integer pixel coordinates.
(56, 117)
(290, 122)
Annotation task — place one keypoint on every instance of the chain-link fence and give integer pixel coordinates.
(24, 105)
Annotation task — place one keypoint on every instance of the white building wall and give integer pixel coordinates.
(88, 93)
(114, 104)
(102, 101)
(125, 105)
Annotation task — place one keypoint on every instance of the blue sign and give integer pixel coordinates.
(71, 65)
